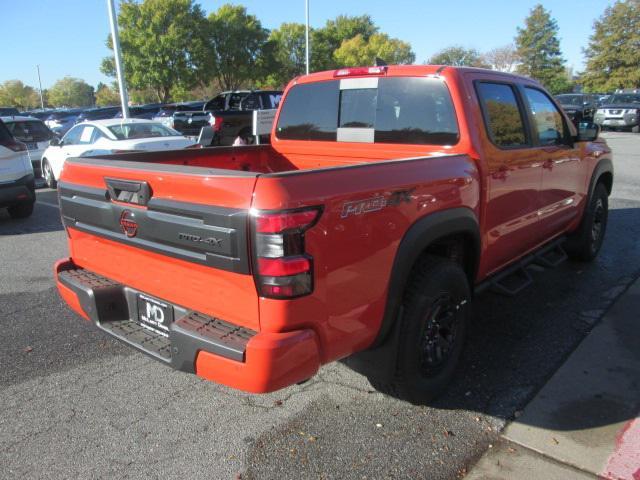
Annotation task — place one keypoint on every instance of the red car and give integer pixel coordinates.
(387, 197)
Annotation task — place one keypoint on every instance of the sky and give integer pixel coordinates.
(67, 37)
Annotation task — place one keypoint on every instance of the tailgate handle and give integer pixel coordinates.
(137, 193)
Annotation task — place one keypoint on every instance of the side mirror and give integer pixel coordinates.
(54, 142)
(588, 131)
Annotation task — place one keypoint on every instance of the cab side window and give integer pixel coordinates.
(548, 125)
(502, 114)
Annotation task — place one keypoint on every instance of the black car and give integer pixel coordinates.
(147, 111)
(8, 111)
(188, 118)
(98, 113)
(232, 113)
(578, 106)
(621, 111)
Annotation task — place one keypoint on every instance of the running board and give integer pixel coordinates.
(515, 278)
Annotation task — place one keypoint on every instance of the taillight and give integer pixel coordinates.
(13, 144)
(216, 123)
(283, 268)
(357, 71)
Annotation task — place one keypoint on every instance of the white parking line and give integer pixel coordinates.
(48, 204)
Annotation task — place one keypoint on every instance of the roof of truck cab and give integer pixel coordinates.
(408, 70)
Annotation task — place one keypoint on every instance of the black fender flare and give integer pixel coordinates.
(417, 238)
(377, 358)
(605, 165)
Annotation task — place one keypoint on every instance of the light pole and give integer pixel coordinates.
(124, 100)
(306, 3)
(40, 84)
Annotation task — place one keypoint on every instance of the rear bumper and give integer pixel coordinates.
(17, 191)
(209, 347)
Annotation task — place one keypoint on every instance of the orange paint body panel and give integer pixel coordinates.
(202, 242)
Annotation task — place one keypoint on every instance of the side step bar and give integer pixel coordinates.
(516, 277)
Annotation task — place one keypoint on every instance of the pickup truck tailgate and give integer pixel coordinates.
(174, 232)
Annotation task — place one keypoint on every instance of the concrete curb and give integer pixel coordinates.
(584, 422)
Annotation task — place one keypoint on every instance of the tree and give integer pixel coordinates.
(539, 50)
(106, 95)
(71, 92)
(285, 52)
(358, 51)
(325, 41)
(458, 56)
(613, 54)
(14, 93)
(502, 59)
(163, 45)
(235, 43)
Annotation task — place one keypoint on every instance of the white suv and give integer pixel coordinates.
(17, 189)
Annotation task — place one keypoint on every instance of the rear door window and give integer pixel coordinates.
(403, 110)
(502, 114)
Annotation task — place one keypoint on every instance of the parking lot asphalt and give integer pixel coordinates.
(78, 404)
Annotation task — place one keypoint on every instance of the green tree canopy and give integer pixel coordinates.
(358, 51)
(458, 56)
(235, 43)
(106, 95)
(286, 53)
(538, 48)
(71, 92)
(163, 45)
(325, 41)
(613, 54)
(14, 93)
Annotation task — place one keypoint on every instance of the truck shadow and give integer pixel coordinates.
(516, 344)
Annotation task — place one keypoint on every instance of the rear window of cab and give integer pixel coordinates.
(397, 110)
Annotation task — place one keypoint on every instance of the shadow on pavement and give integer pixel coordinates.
(516, 344)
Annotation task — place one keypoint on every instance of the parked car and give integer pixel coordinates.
(232, 113)
(39, 113)
(387, 197)
(621, 111)
(104, 137)
(188, 118)
(578, 106)
(34, 134)
(61, 121)
(147, 111)
(98, 113)
(17, 185)
(8, 111)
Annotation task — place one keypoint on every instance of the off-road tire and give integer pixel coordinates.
(21, 210)
(585, 243)
(434, 282)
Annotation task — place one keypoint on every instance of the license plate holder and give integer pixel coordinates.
(154, 314)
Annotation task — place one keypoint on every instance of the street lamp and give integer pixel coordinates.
(306, 2)
(124, 100)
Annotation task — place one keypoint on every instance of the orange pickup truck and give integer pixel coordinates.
(387, 198)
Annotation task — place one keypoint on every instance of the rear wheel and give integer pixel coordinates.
(432, 331)
(585, 243)
(21, 210)
(47, 174)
